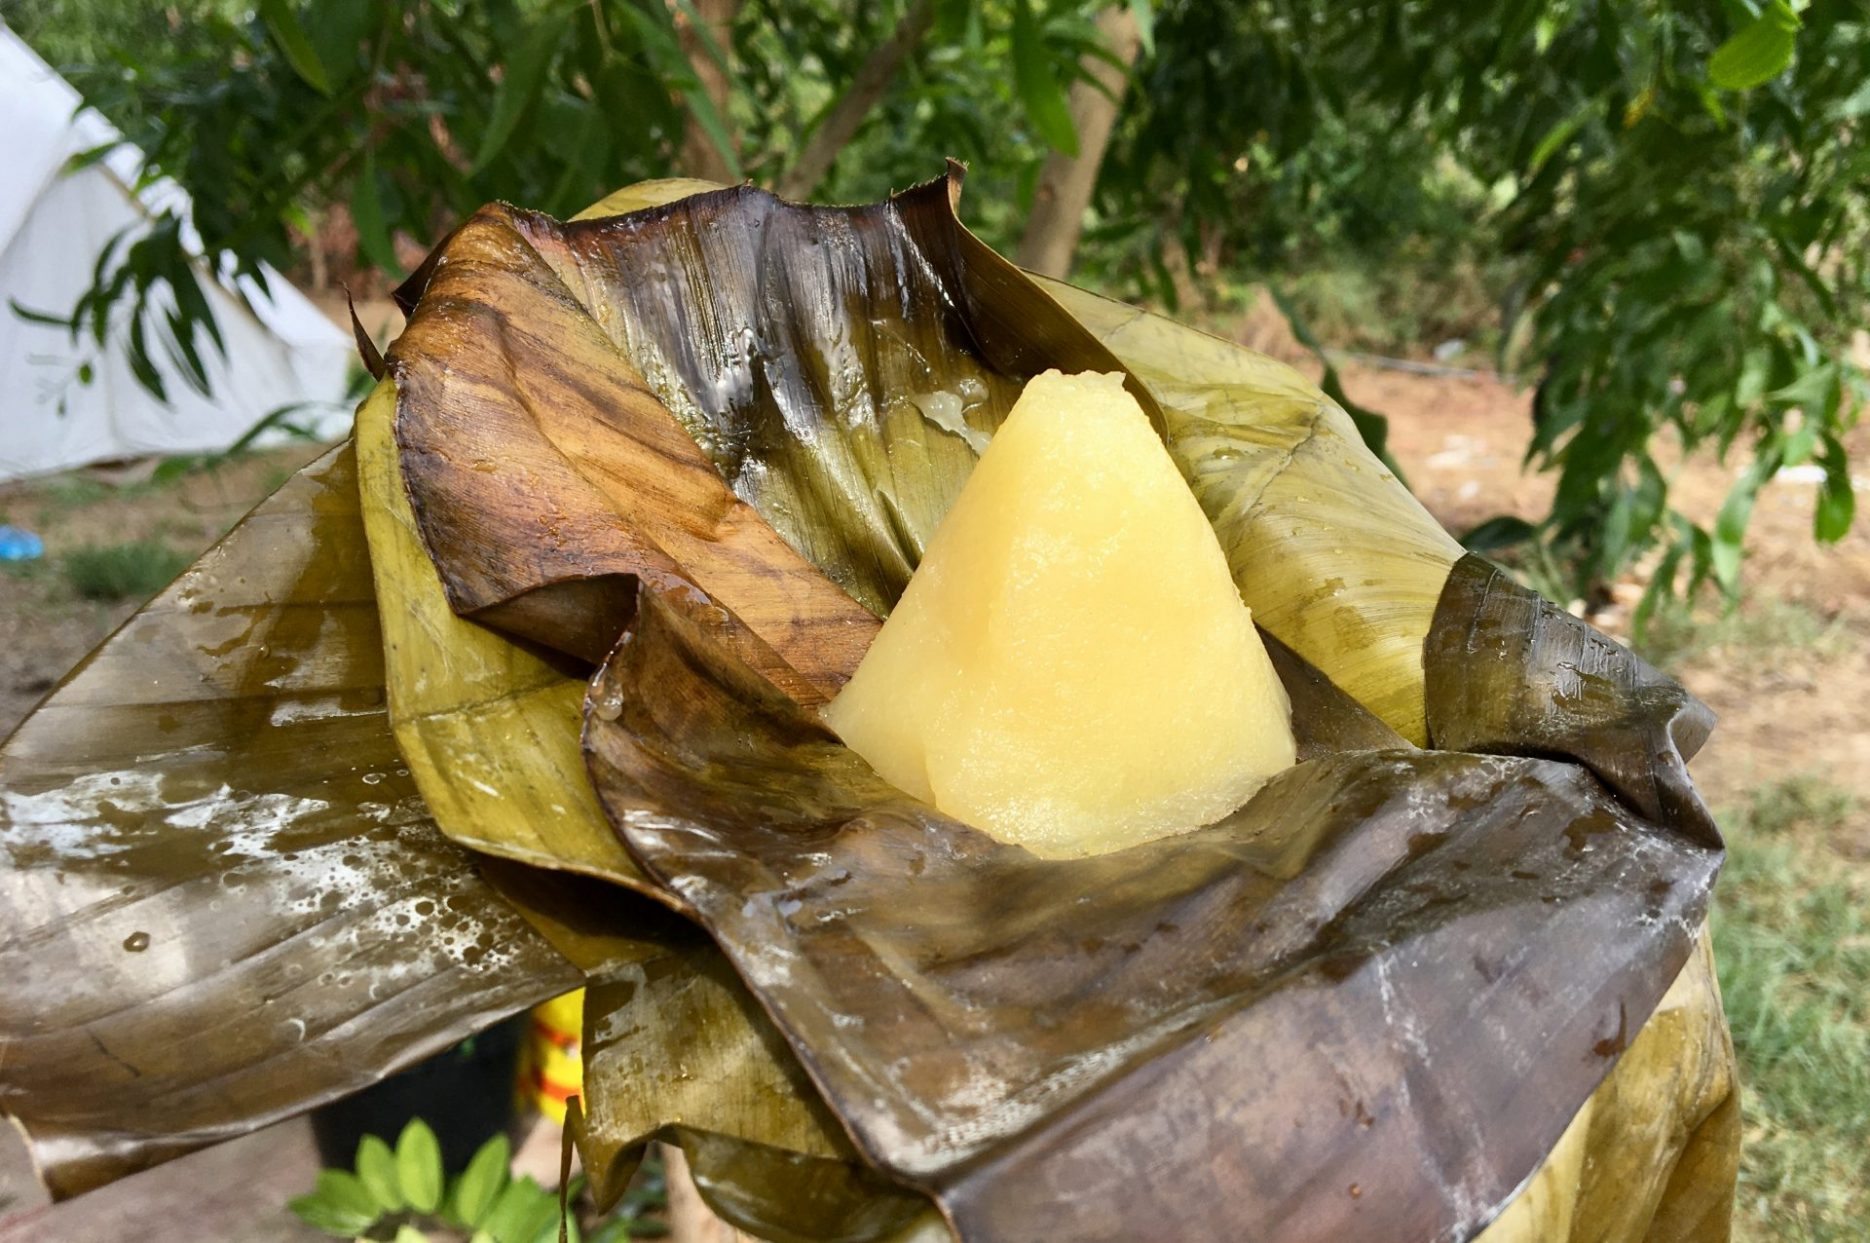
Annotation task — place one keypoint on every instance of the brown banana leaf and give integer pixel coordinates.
(574, 589)
(1294, 498)
(1654, 1153)
(487, 726)
(1538, 681)
(221, 899)
(1442, 954)
(574, 400)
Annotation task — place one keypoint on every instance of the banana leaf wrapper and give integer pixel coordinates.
(945, 1083)
(196, 924)
(221, 898)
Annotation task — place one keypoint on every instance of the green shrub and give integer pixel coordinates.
(134, 570)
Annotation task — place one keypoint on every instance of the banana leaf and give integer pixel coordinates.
(1653, 1154)
(538, 531)
(488, 727)
(221, 899)
(722, 310)
(1441, 953)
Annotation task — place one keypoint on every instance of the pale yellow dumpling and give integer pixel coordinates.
(1071, 668)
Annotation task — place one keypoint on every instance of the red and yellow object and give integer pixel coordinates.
(551, 1069)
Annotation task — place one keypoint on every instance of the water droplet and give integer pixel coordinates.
(1356, 1191)
(136, 942)
(608, 705)
(371, 779)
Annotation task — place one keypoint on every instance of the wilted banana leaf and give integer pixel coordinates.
(1329, 549)
(221, 899)
(575, 399)
(1401, 970)
(487, 726)
(1653, 1154)
(700, 303)
(1537, 681)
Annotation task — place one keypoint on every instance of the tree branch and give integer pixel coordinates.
(699, 156)
(869, 85)
(1066, 181)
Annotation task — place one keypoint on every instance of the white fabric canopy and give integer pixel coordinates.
(53, 224)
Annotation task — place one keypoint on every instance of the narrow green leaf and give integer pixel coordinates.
(1505, 531)
(419, 1166)
(91, 155)
(376, 1169)
(1759, 52)
(373, 230)
(283, 24)
(711, 124)
(661, 49)
(1145, 12)
(31, 316)
(140, 365)
(524, 76)
(339, 1205)
(1837, 498)
(482, 1181)
(1560, 134)
(1039, 91)
(1730, 526)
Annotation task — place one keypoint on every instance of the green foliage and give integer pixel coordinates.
(403, 1194)
(134, 570)
(1792, 939)
(409, 117)
(1672, 184)
(419, 1167)
(1660, 200)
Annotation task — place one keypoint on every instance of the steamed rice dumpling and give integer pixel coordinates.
(1071, 668)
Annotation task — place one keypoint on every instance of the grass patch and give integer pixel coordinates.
(1792, 939)
(1678, 633)
(130, 571)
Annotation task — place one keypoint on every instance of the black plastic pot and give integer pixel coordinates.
(465, 1094)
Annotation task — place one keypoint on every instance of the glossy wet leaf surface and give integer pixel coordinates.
(1445, 950)
(488, 726)
(221, 900)
(1367, 1005)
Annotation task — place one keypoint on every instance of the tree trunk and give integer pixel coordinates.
(847, 115)
(1066, 181)
(699, 156)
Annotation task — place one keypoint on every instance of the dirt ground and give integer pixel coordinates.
(1792, 690)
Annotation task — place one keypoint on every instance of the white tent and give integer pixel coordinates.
(53, 224)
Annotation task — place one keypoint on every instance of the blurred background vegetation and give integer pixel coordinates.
(1649, 212)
